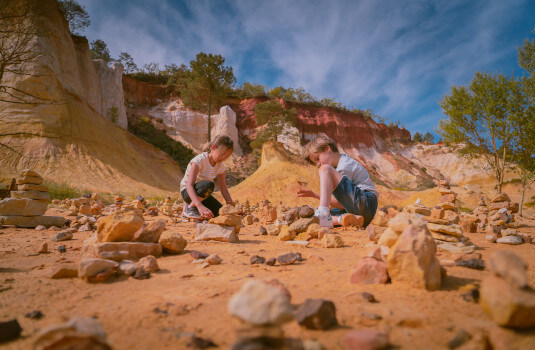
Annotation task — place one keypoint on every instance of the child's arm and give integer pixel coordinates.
(195, 200)
(305, 192)
(222, 178)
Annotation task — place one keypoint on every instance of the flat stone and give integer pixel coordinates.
(454, 230)
(32, 221)
(447, 205)
(218, 233)
(115, 256)
(332, 240)
(436, 221)
(28, 187)
(502, 197)
(369, 271)
(302, 224)
(172, 242)
(149, 233)
(256, 259)
(22, 207)
(228, 220)
(27, 179)
(135, 250)
(316, 314)
(29, 172)
(476, 264)
(127, 268)
(77, 333)
(456, 249)
(120, 226)
(286, 233)
(445, 237)
(65, 270)
(62, 236)
(289, 258)
(31, 194)
(195, 254)
(148, 264)
(260, 303)
(91, 267)
(514, 240)
(213, 259)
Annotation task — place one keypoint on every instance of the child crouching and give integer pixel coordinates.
(197, 184)
(344, 184)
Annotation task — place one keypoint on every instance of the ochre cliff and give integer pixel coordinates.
(66, 138)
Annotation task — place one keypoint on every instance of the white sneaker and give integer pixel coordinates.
(325, 221)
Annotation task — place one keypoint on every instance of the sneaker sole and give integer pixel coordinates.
(352, 220)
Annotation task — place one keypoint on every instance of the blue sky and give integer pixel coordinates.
(398, 58)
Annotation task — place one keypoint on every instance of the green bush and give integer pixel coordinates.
(63, 190)
(146, 131)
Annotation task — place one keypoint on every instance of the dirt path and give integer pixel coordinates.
(196, 299)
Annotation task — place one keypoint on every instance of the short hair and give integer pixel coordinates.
(319, 144)
(220, 141)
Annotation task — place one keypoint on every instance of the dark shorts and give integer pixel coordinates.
(204, 190)
(354, 200)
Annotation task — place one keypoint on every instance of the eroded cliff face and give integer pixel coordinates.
(68, 137)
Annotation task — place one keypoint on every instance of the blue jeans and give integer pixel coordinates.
(354, 200)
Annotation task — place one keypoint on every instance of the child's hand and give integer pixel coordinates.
(305, 192)
(205, 212)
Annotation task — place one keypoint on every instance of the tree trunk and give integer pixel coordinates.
(524, 185)
(209, 119)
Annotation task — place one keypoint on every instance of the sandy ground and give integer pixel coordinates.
(414, 319)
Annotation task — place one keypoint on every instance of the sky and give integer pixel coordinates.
(398, 58)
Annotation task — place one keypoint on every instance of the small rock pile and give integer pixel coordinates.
(501, 222)
(88, 204)
(406, 254)
(223, 228)
(122, 237)
(26, 206)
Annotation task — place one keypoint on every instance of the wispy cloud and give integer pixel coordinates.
(398, 58)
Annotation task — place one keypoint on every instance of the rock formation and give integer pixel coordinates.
(71, 130)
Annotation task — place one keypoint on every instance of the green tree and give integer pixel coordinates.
(275, 118)
(479, 118)
(417, 137)
(428, 137)
(523, 122)
(128, 63)
(252, 90)
(75, 14)
(99, 50)
(207, 85)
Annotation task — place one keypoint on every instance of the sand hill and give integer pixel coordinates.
(67, 138)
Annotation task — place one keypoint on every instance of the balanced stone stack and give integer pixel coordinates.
(25, 207)
(481, 212)
(223, 228)
(118, 204)
(167, 206)
(500, 226)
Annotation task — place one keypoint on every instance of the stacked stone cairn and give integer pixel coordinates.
(223, 228)
(405, 254)
(26, 206)
(167, 206)
(118, 204)
(122, 237)
(501, 222)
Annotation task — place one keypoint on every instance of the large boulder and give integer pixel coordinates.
(412, 259)
(22, 207)
(121, 226)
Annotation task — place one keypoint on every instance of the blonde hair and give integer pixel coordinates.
(220, 141)
(319, 144)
